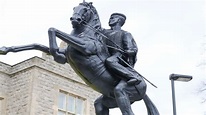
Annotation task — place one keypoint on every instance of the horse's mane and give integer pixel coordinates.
(95, 19)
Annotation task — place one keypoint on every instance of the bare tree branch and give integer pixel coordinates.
(202, 91)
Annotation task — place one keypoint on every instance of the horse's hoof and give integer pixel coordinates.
(3, 50)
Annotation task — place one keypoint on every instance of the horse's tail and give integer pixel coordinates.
(151, 108)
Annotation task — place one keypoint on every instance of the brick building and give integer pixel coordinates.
(40, 86)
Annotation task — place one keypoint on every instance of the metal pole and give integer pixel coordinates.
(173, 97)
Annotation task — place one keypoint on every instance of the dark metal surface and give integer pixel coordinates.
(92, 60)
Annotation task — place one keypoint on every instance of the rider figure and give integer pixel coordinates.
(120, 39)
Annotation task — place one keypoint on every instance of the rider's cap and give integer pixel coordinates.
(122, 15)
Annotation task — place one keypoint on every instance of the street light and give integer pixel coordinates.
(177, 77)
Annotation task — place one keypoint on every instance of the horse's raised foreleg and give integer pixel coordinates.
(81, 44)
(54, 49)
(4, 50)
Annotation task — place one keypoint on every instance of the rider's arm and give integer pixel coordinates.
(129, 44)
(130, 47)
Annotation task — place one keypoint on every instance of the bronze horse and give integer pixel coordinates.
(86, 53)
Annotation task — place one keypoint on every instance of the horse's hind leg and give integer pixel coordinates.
(122, 98)
(103, 104)
(100, 109)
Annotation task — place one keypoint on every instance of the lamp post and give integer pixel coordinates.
(177, 77)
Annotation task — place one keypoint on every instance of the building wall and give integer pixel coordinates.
(31, 87)
(4, 85)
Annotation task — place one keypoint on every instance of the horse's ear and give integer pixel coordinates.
(90, 3)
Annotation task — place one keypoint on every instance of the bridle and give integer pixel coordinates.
(86, 24)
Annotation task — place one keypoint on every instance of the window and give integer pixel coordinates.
(69, 104)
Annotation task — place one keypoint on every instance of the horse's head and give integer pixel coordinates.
(84, 13)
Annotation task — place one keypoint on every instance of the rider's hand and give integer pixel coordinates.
(130, 52)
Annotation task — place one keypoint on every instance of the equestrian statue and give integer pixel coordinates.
(91, 54)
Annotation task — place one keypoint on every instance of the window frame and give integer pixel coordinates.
(76, 97)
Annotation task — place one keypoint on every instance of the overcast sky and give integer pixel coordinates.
(169, 34)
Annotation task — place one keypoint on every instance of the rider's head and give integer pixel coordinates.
(117, 18)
